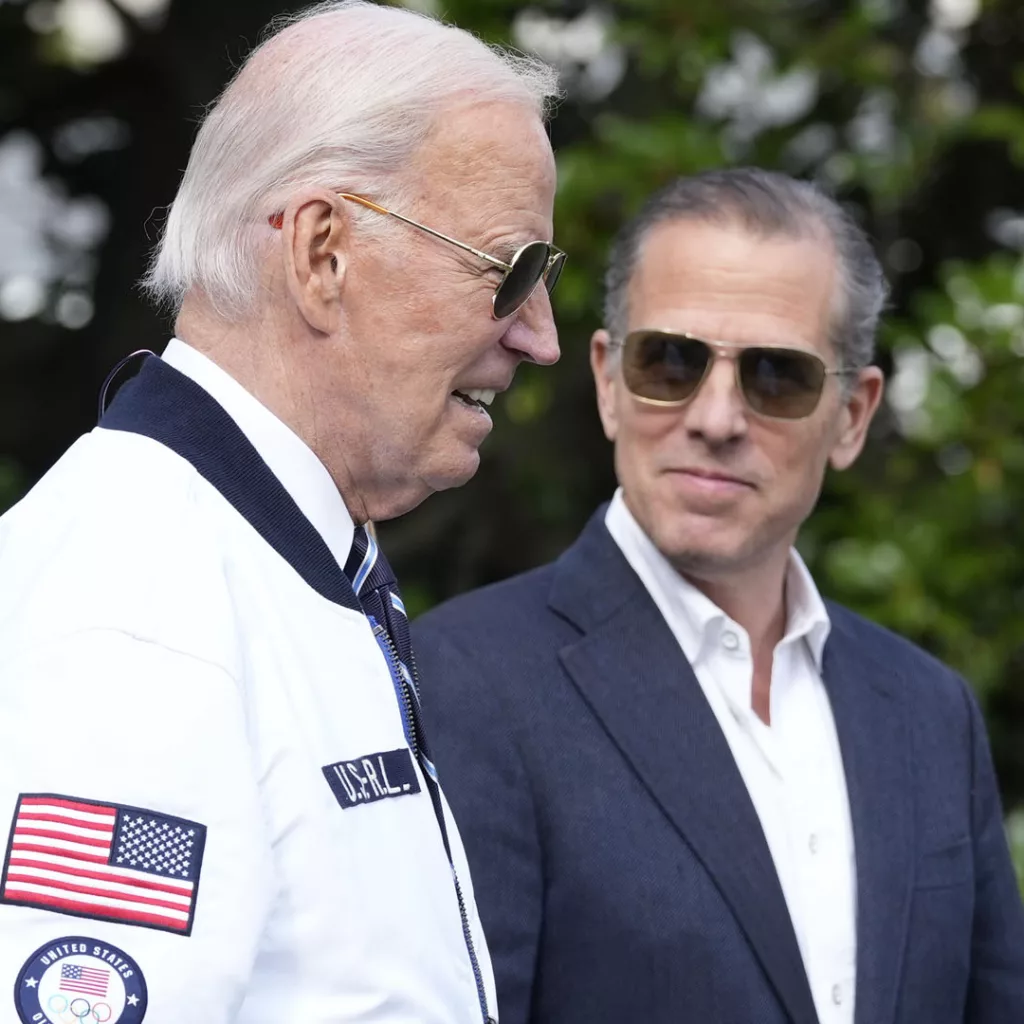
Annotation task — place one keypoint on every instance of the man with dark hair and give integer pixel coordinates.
(700, 793)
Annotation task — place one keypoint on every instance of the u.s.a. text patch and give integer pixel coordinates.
(104, 861)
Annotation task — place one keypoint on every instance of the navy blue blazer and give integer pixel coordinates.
(619, 865)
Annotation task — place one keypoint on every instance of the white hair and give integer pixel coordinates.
(339, 96)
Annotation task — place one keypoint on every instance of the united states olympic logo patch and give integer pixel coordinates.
(78, 980)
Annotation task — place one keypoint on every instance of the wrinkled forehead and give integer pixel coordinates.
(486, 160)
(730, 283)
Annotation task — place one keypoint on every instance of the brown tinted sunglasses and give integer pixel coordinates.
(668, 368)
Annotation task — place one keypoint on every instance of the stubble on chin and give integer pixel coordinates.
(709, 559)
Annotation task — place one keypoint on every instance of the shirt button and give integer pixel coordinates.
(837, 994)
(812, 843)
(730, 641)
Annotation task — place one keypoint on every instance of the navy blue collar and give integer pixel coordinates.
(165, 405)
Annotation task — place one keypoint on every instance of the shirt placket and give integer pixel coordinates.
(821, 854)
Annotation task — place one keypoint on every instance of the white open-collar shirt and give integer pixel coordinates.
(792, 769)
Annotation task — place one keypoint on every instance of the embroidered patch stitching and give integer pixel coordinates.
(372, 777)
(78, 977)
(106, 862)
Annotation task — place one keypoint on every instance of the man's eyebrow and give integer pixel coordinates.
(506, 250)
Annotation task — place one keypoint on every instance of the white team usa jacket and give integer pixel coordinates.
(214, 813)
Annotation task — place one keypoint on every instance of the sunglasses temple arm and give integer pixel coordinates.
(500, 264)
(430, 231)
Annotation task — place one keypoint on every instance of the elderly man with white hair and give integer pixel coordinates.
(222, 802)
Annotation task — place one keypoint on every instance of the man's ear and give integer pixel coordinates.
(317, 230)
(603, 363)
(858, 411)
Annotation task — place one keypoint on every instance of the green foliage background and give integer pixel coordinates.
(910, 111)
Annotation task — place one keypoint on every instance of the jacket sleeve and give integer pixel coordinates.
(996, 990)
(484, 779)
(136, 825)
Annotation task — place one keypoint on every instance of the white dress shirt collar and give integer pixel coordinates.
(792, 769)
(695, 619)
(290, 459)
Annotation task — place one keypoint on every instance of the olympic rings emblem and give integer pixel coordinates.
(79, 1010)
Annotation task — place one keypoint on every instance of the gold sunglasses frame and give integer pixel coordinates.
(555, 255)
(730, 351)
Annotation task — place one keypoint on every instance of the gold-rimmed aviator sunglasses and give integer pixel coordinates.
(667, 368)
(532, 263)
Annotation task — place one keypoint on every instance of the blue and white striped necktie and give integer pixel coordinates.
(374, 583)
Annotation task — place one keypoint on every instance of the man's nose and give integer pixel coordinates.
(533, 335)
(717, 412)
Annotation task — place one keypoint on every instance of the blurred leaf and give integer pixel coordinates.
(1015, 831)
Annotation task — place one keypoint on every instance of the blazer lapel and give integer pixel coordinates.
(874, 737)
(632, 674)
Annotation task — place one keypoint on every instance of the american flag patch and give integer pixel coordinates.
(103, 861)
(90, 980)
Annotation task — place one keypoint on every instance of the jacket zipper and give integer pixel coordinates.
(410, 723)
(387, 647)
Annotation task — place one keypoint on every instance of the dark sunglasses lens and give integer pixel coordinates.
(781, 383)
(553, 272)
(664, 367)
(518, 284)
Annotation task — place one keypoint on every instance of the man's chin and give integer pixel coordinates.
(416, 488)
(703, 563)
(456, 472)
(704, 556)
(710, 562)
